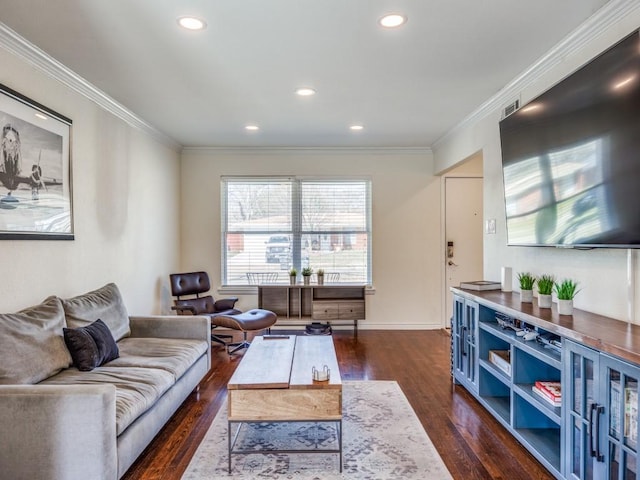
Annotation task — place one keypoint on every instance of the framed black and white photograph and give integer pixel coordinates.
(35, 170)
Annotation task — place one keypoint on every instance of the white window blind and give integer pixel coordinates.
(271, 225)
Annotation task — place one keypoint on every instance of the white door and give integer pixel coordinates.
(463, 228)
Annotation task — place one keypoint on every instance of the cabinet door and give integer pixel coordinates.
(458, 337)
(581, 411)
(471, 315)
(619, 429)
(465, 338)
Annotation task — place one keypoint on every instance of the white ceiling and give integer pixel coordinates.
(408, 86)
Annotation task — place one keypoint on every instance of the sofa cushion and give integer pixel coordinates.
(137, 389)
(90, 346)
(175, 355)
(31, 343)
(104, 303)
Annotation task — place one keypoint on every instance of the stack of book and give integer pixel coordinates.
(551, 392)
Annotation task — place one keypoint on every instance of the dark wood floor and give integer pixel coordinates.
(472, 444)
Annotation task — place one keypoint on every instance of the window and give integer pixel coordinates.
(273, 224)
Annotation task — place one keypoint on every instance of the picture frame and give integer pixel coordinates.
(35, 170)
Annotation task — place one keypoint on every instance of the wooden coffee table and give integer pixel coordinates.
(274, 383)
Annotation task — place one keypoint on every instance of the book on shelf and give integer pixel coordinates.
(543, 396)
(501, 359)
(481, 285)
(552, 389)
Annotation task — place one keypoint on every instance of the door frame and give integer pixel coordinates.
(451, 173)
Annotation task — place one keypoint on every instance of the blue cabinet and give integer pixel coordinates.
(591, 434)
(601, 415)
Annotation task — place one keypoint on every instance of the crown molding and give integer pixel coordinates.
(25, 50)
(600, 21)
(310, 150)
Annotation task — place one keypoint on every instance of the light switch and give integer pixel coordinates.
(490, 226)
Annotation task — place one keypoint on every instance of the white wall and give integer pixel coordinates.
(602, 273)
(125, 190)
(406, 221)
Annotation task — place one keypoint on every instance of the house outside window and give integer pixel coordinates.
(273, 224)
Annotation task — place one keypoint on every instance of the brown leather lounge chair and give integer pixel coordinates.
(195, 286)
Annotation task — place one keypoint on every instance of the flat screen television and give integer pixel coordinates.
(571, 157)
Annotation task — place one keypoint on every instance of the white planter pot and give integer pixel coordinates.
(292, 279)
(320, 279)
(565, 307)
(306, 279)
(526, 296)
(544, 301)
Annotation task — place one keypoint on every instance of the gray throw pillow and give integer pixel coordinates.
(31, 343)
(91, 346)
(105, 303)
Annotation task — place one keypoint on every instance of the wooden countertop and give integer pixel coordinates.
(606, 334)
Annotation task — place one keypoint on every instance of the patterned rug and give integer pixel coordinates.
(382, 439)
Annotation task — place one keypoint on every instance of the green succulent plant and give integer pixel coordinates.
(566, 290)
(307, 271)
(293, 272)
(545, 284)
(527, 281)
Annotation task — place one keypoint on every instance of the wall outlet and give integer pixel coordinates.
(490, 226)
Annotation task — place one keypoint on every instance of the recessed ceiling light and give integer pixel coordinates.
(356, 127)
(252, 128)
(305, 91)
(192, 23)
(392, 20)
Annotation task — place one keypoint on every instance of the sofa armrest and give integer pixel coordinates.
(171, 326)
(65, 432)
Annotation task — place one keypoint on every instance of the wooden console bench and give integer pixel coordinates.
(325, 303)
(273, 383)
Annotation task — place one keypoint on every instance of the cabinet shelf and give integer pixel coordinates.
(494, 329)
(499, 406)
(545, 442)
(491, 369)
(548, 355)
(524, 390)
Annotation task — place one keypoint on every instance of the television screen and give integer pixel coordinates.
(571, 157)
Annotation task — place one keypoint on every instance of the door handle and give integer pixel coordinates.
(599, 412)
(464, 341)
(594, 431)
(592, 450)
(451, 263)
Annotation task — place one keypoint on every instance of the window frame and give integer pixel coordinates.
(296, 232)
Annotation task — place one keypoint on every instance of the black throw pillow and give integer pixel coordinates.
(91, 346)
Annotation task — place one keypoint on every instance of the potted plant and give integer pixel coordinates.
(306, 275)
(320, 274)
(545, 289)
(527, 281)
(293, 273)
(565, 291)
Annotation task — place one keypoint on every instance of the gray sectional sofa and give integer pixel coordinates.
(62, 423)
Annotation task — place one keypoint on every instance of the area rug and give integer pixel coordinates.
(382, 439)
